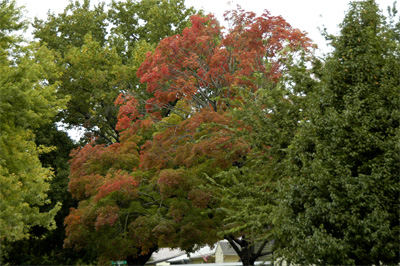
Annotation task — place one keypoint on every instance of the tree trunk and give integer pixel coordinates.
(247, 260)
(246, 249)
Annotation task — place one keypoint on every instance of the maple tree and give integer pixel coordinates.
(182, 132)
(209, 70)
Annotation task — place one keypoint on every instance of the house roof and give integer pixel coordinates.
(227, 248)
(164, 254)
(202, 252)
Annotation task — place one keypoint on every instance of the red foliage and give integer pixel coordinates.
(74, 229)
(202, 62)
(83, 181)
(208, 67)
(97, 171)
(119, 181)
(128, 111)
(91, 164)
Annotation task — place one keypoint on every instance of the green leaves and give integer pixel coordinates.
(27, 101)
(342, 162)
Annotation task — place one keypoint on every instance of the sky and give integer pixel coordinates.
(306, 15)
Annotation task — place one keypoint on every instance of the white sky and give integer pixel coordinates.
(306, 15)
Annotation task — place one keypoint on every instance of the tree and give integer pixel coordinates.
(27, 101)
(149, 21)
(182, 132)
(221, 72)
(97, 61)
(248, 191)
(204, 66)
(340, 205)
(100, 178)
(45, 247)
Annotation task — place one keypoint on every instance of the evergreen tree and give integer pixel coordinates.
(340, 204)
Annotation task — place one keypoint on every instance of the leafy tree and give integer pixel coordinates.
(223, 73)
(183, 131)
(45, 247)
(100, 178)
(98, 62)
(149, 21)
(340, 205)
(27, 101)
(68, 29)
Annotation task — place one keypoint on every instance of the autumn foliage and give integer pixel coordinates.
(204, 64)
(151, 188)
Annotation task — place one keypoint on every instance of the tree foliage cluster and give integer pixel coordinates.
(199, 132)
(26, 103)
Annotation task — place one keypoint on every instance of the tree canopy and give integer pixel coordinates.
(159, 195)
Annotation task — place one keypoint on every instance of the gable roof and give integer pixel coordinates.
(164, 254)
(227, 248)
(201, 253)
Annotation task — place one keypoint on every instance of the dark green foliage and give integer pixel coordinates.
(340, 205)
(248, 191)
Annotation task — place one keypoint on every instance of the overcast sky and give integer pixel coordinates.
(307, 15)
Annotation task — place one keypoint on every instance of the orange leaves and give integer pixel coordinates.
(96, 172)
(202, 61)
(128, 111)
(91, 165)
(119, 181)
(74, 230)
